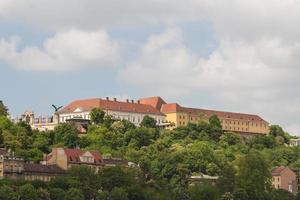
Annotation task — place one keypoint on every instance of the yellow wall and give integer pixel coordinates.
(235, 125)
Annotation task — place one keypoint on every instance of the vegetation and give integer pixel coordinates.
(167, 158)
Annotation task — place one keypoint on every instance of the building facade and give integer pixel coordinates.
(128, 110)
(13, 167)
(284, 178)
(66, 158)
(295, 142)
(246, 124)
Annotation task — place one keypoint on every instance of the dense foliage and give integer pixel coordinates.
(167, 158)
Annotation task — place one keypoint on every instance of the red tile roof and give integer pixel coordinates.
(278, 170)
(155, 102)
(73, 156)
(174, 107)
(88, 104)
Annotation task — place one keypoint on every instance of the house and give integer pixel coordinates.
(284, 178)
(66, 158)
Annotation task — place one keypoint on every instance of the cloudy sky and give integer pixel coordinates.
(232, 55)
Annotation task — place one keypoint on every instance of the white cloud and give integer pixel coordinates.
(64, 51)
(94, 13)
(250, 77)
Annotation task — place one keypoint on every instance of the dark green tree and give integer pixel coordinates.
(118, 194)
(116, 177)
(56, 194)
(7, 193)
(27, 192)
(97, 115)
(203, 192)
(148, 122)
(226, 181)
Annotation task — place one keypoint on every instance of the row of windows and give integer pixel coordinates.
(133, 120)
(235, 129)
(242, 123)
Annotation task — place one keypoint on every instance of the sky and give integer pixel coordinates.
(231, 55)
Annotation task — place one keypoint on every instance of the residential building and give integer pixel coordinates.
(246, 124)
(297, 172)
(295, 142)
(66, 158)
(128, 110)
(284, 178)
(14, 167)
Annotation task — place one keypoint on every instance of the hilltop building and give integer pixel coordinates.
(129, 110)
(284, 178)
(167, 115)
(246, 124)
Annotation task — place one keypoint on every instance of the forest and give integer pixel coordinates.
(166, 159)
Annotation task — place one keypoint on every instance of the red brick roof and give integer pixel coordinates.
(87, 105)
(155, 102)
(278, 170)
(174, 107)
(73, 156)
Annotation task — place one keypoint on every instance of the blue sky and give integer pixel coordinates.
(228, 55)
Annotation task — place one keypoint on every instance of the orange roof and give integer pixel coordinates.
(155, 102)
(87, 105)
(174, 107)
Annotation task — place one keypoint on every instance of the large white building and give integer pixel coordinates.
(128, 110)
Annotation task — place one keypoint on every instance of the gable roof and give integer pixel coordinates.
(73, 156)
(155, 102)
(174, 107)
(278, 170)
(87, 105)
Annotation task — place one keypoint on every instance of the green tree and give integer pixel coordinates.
(7, 193)
(3, 109)
(116, 177)
(148, 122)
(253, 175)
(104, 195)
(74, 194)
(97, 115)
(118, 194)
(43, 194)
(27, 192)
(66, 135)
(226, 181)
(276, 130)
(86, 179)
(56, 194)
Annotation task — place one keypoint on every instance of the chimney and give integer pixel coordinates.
(115, 99)
(138, 101)
(127, 100)
(107, 98)
(132, 101)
